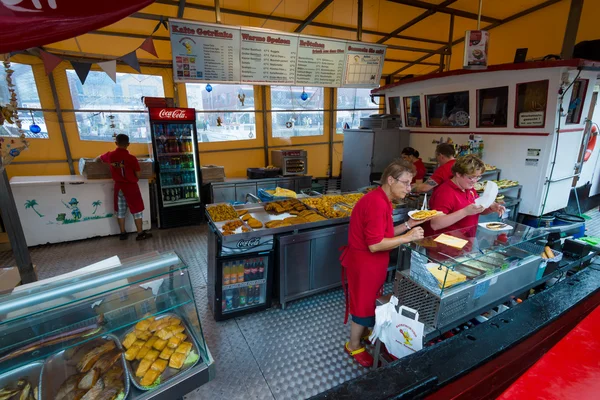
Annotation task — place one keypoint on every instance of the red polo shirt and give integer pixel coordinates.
(449, 198)
(420, 170)
(122, 165)
(371, 221)
(443, 173)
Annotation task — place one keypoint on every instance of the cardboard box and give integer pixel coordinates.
(99, 170)
(212, 173)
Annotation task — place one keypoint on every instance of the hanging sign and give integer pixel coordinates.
(205, 52)
(320, 62)
(268, 57)
(476, 49)
(364, 64)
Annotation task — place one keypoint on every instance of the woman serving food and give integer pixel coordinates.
(365, 260)
(456, 198)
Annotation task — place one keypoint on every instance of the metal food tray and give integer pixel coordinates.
(56, 370)
(32, 372)
(168, 373)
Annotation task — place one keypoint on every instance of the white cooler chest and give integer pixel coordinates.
(55, 209)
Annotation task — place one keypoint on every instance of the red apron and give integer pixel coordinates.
(132, 194)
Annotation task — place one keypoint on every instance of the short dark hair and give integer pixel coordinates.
(397, 168)
(409, 151)
(122, 139)
(445, 149)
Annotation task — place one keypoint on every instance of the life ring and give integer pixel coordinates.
(591, 144)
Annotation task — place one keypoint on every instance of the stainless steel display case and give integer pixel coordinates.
(41, 320)
(492, 266)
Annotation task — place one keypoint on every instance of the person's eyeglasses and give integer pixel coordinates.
(473, 178)
(405, 183)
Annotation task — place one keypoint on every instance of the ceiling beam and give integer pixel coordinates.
(414, 21)
(506, 20)
(318, 10)
(359, 22)
(180, 8)
(395, 60)
(218, 11)
(443, 9)
(251, 14)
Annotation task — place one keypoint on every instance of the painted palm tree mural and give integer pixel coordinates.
(31, 204)
(96, 204)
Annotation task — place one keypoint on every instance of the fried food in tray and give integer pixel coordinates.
(222, 212)
(282, 206)
(254, 223)
(276, 224)
(242, 212)
(325, 204)
(22, 390)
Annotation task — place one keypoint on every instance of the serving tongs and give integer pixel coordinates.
(343, 208)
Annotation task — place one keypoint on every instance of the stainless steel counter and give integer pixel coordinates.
(235, 189)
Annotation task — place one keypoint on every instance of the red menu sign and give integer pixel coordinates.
(172, 114)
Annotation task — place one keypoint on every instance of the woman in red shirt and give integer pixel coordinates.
(412, 155)
(456, 197)
(365, 260)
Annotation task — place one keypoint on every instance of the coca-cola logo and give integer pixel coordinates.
(248, 243)
(172, 114)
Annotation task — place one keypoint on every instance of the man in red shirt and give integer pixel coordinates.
(125, 171)
(444, 154)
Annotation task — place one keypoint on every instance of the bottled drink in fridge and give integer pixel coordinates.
(240, 271)
(226, 274)
(243, 297)
(229, 299)
(254, 270)
(261, 269)
(236, 298)
(233, 274)
(223, 303)
(247, 271)
(257, 295)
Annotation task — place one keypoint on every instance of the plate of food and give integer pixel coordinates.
(420, 215)
(496, 226)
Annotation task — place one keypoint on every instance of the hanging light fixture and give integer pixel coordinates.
(304, 95)
(208, 88)
(34, 128)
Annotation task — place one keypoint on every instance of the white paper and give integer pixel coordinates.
(268, 57)
(489, 195)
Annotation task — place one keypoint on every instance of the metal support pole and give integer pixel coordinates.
(218, 11)
(359, 24)
(450, 41)
(61, 123)
(12, 223)
(265, 128)
(331, 131)
(441, 69)
(571, 29)
(479, 15)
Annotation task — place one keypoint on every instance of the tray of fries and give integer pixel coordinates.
(420, 215)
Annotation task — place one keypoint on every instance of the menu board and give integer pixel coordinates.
(364, 64)
(268, 57)
(205, 52)
(320, 62)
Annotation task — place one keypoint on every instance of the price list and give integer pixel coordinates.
(364, 64)
(320, 62)
(268, 57)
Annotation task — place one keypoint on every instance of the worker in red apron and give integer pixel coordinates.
(125, 172)
(365, 260)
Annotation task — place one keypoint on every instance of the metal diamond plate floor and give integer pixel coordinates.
(274, 354)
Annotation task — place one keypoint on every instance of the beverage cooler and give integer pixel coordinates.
(175, 150)
(240, 276)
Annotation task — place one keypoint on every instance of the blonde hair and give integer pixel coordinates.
(397, 168)
(468, 165)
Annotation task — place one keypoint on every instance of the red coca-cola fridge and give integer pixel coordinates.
(178, 175)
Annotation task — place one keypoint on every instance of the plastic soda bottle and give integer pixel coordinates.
(233, 274)
(236, 298)
(242, 297)
(254, 270)
(229, 300)
(226, 274)
(261, 269)
(240, 272)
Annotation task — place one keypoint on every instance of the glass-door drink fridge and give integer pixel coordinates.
(175, 151)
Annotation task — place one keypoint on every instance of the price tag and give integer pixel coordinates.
(481, 289)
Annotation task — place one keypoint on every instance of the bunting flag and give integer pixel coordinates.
(50, 61)
(148, 46)
(110, 67)
(132, 60)
(81, 69)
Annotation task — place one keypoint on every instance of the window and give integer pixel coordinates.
(28, 101)
(531, 104)
(233, 104)
(394, 103)
(448, 110)
(104, 108)
(292, 116)
(492, 107)
(352, 105)
(412, 111)
(576, 102)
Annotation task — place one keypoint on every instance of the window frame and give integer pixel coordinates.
(428, 125)
(337, 109)
(273, 112)
(586, 83)
(516, 116)
(406, 124)
(477, 108)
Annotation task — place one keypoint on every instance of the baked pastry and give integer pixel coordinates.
(142, 352)
(181, 336)
(184, 348)
(159, 365)
(132, 352)
(174, 342)
(165, 334)
(152, 355)
(150, 342)
(149, 377)
(166, 353)
(160, 344)
(129, 340)
(142, 335)
(246, 217)
(143, 368)
(254, 223)
(177, 360)
(144, 324)
(242, 212)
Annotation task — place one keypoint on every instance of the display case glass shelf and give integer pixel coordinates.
(42, 322)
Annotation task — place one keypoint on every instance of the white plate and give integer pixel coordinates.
(413, 212)
(504, 229)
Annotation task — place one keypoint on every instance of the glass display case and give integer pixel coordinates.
(456, 274)
(127, 330)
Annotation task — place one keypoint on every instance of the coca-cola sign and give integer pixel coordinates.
(172, 114)
(244, 243)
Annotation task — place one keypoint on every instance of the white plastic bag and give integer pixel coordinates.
(401, 332)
